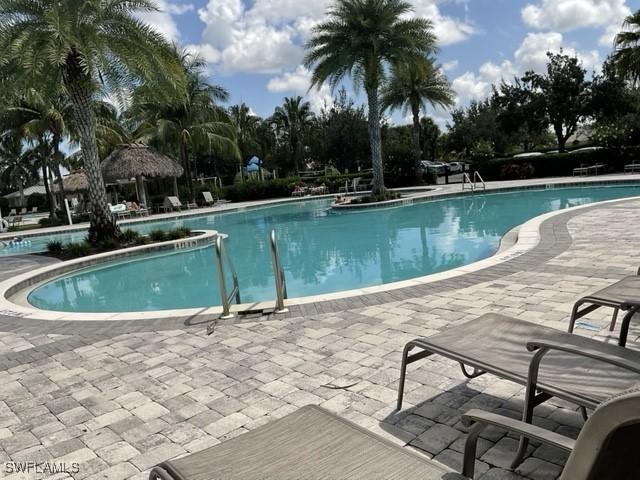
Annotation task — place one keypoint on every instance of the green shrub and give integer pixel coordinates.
(257, 190)
(50, 222)
(78, 249)
(37, 200)
(554, 164)
(80, 218)
(158, 235)
(141, 240)
(108, 244)
(129, 236)
(54, 247)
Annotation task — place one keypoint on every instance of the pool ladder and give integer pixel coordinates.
(475, 183)
(221, 256)
(278, 272)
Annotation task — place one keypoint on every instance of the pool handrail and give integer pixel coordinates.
(281, 282)
(235, 292)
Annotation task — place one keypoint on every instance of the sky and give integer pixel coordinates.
(254, 48)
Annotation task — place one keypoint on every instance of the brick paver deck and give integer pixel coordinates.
(119, 398)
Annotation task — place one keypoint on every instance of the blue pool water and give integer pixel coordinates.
(322, 251)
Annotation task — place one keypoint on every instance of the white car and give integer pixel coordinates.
(436, 167)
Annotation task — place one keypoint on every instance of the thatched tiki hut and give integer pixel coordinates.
(139, 161)
(74, 185)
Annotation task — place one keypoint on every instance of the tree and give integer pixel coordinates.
(564, 94)
(344, 133)
(627, 52)
(245, 125)
(185, 119)
(292, 120)
(411, 87)
(429, 137)
(15, 167)
(89, 47)
(360, 40)
(520, 113)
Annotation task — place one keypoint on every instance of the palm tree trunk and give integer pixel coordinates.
(375, 142)
(78, 86)
(57, 172)
(47, 188)
(184, 154)
(417, 150)
(21, 190)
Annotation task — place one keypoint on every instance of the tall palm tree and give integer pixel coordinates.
(246, 127)
(293, 118)
(411, 88)
(360, 40)
(627, 54)
(187, 118)
(88, 47)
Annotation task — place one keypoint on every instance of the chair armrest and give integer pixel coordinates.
(629, 304)
(528, 430)
(585, 351)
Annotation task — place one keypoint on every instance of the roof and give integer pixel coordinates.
(127, 161)
(28, 191)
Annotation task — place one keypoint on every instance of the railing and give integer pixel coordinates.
(476, 177)
(281, 283)
(235, 292)
(473, 184)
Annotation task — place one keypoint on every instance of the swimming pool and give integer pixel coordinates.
(322, 250)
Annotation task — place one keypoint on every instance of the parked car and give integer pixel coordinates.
(436, 167)
(458, 167)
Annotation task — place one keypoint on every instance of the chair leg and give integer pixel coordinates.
(614, 319)
(470, 447)
(403, 373)
(624, 328)
(574, 316)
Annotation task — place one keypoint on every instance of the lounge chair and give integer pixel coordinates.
(172, 203)
(34, 210)
(309, 444)
(606, 448)
(622, 295)
(313, 444)
(14, 220)
(12, 212)
(580, 370)
(299, 191)
(208, 199)
(24, 211)
(633, 167)
(581, 170)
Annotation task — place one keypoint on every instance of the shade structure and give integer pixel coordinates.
(138, 161)
(75, 182)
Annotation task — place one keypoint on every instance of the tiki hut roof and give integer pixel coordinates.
(127, 161)
(75, 182)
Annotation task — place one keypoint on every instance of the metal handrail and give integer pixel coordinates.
(235, 292)
(278, 272)
(477, 176)
(467, 179)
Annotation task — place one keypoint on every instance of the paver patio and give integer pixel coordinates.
(118, 399)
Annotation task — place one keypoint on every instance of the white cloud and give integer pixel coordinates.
(451, 65)
(530, 55)
(163, 21)
(566, 15)
(298, 82)
(267, 36)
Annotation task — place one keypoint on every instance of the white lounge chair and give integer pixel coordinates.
(208, 199)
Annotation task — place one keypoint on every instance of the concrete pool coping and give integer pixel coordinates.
(528, 237)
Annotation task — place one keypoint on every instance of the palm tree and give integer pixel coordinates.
(15, 166)
(246, 127)
(411, 88)
(88, 47)
(627, 54)
(361, 39)
(292, 119)
(185, 118)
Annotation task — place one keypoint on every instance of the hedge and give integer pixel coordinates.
(260, 190)
(555, 164)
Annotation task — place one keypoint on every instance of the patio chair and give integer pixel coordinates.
(34, 210)
(12, 212)
(24, 211)
(172, 203)
(311, 444)
(632, 167)
(208, 199)
(581, 170)
(606, 448)
(580, 370)
(622, 295)
(14, 220)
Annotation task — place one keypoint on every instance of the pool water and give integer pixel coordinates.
(321, 250)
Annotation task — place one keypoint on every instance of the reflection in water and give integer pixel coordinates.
(321, 250)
